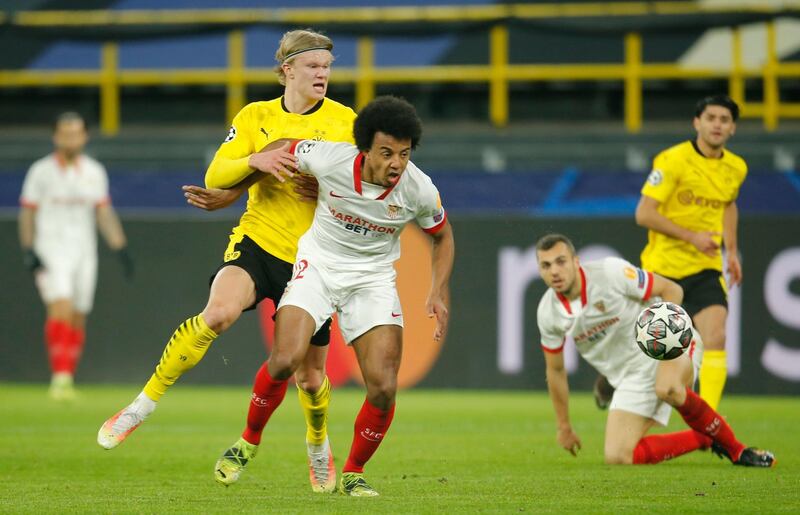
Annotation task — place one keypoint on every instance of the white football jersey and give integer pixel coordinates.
(602, 320)
(65, 198)
(356, 224)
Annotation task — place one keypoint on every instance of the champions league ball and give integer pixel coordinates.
(664, 331)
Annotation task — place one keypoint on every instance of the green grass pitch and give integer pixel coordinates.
(447, 452)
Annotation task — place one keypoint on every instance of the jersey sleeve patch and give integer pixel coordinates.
(231, 134)
(643, 278)
(662, 179)
(655, 178)
(432, 216)
(629, 280)
(439, 218)
(302, 147)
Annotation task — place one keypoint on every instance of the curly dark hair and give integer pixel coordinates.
(390, 115)
(717, 100)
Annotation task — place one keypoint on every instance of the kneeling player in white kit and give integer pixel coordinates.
(64, 194)
(597, 304)
(367, 194)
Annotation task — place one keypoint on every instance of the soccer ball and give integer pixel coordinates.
(664, 330)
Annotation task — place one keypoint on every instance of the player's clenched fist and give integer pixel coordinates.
(279, 162)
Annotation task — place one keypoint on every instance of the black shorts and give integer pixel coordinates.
(270, 276)
(702, 290)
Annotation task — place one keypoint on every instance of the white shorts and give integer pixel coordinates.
(362, 300)
(637, 391)
(68, 277)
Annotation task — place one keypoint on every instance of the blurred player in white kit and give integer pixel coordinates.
(64, 196)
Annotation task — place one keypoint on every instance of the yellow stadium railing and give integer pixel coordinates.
(497, 73)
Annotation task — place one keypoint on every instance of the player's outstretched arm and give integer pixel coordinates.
(647, 216)
(558, 387)
(211, 199)
(438, 302)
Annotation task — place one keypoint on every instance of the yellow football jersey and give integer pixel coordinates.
(693, 192)
(275, 218)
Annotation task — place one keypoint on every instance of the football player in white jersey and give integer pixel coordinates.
(368, 192)
(596, 304)
(64, 196)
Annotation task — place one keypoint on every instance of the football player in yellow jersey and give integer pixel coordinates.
(688, 205)
(258, 261)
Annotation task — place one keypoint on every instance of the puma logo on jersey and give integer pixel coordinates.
(266, 134)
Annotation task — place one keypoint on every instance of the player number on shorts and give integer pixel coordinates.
(299, 268)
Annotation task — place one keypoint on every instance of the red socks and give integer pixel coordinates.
(77, 338)
(370, 428)
(64, 345)
(700, 417)
(658, 448)
(268, 394)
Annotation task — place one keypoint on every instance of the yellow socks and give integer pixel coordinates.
(713, 373)
(185, 349)
(315, 409)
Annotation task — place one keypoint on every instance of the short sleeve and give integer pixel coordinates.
(33, 187)
(431, 216)
(314, 157)
(629, 280)
(743, 176)
(662, 179)
(551, 339)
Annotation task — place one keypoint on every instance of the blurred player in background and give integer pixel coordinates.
(597, 304)
(688, 205)
(368, 192)
(64, 198)
(258, 261)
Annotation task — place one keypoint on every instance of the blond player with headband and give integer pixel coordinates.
(257, 263)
